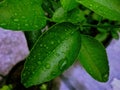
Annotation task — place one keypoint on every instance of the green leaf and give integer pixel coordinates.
(54, 52)
(21, 15)
(73, 16)
(93, 58)
(60, 15)
(32, 37)
(107, 8)
(68, 4)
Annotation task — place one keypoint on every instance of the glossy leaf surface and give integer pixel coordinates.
(73, 16)
(21, 15)
(54, 52)
(68, 4)
(32, 37)
(107, 8)
(93, 58)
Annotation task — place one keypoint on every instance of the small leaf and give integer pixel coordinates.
(68, 4)
(21, 15)
(73, 16)
(60, 15)
(107, 8)
(54, 52)
(93, 58)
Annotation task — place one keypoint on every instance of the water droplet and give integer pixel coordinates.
(26, 24)
(16, 20)
(23, 17)
(52, 42)
(3, 24)
(36, 26)
(24, 75)
(44, 45)
(91, 5)
(41, 45)
(53, 73)
(33, 72)
(15, 14)
(66, 30)
(105, 77)
(39, 62)
(18, 26)
(58, 41)
(62, 64)
(47, 66)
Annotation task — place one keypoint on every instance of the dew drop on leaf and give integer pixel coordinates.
(52, 42)
(62, 63)
(16, 20)
(15, 14)
(58, 41)
(23, 17)
(47, 66)
(105, 77)
(41, 45)
(44, 45)
(26, 24)
(3, 24)
(39, 62)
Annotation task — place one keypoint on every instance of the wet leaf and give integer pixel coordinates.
(107, 8)
(68, 4)
(73, 16)
(32, 37)
(54, 52)
(93, 58)
(21, 15)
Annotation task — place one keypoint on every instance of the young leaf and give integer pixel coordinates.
(73, 16)
(68, 4)
(21, 15)
(107, 8)
(93, 58)
(54, 52)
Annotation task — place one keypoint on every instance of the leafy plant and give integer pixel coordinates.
(72, 29)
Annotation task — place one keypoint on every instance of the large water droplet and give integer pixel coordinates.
(62, 64)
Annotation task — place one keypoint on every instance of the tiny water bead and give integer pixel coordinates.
(105, 77)
(16, 20)
(3, 24)
(15, 14)
(41, 45)
(39, 62)
(47, 66)
(23, 17)
(26, 24)
(52, 42)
